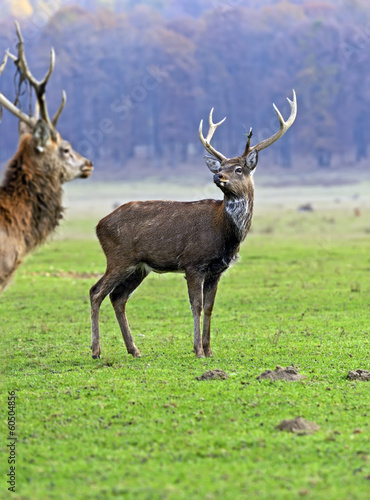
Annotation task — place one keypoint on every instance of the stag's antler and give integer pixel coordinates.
(9, 105)
(284, 126)
(206, 141)
(39, 86)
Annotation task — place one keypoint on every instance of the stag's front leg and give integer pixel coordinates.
(195, 289)
(209, 295)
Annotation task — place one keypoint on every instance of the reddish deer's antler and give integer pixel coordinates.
(207, 141)
(38, 86)
(3, 64)
(9, 105)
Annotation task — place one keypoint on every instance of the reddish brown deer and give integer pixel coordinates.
(31, 192)
(199, 238)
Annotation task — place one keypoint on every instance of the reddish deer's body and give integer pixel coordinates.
(200, 239)
(31, 192)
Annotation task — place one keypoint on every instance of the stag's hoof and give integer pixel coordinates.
(199, 353)
(96, 351)
(208, 353)
(135, 354)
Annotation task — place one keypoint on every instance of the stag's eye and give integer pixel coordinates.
(238, 170)
(66, 150)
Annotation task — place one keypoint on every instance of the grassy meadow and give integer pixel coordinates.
(146, 428)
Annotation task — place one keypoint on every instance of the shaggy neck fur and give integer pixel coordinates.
(30, 199)
(239, 212)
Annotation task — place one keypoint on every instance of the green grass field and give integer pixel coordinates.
(146, 428)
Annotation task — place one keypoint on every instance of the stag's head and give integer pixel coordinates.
(38, 133)
(232, 175)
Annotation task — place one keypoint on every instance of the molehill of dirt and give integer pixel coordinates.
(298, 425)
(289, 373)
(213, 375)
(363, 375)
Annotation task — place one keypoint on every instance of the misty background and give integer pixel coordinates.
(140, 75)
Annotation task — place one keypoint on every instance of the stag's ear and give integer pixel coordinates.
(23, 128)
(252, 160)
(213, 164)
(41, 135)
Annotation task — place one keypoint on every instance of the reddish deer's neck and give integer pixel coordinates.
(239, 212)
(33, 201)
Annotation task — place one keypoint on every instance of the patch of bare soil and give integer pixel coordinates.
(64, 274)
(213, 374)
(363, 375)
(289, 373)
(298, 425)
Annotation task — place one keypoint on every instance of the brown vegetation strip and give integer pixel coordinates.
(65, 274)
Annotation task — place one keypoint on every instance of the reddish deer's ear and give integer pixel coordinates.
(24, 128)
(41, 135)
(252, 160)
(213, 164)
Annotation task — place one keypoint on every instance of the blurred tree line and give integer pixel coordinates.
(139, 75)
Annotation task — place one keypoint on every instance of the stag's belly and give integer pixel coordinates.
(213, 267)
(147, 268)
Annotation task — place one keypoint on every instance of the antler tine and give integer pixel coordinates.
(15, 111)
(213, 126)
(8, 104)
(39, 86)
(3, 64)
(247, 146)
(22, 57)
(284, 125)
(36, 111)
(56, 117)
(207, 141)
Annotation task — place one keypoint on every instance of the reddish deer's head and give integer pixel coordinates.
(38, 134)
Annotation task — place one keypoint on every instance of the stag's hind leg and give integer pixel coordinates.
(97, 294)
(119, 297)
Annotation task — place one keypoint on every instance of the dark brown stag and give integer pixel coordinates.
(31, 192)
(199, 238)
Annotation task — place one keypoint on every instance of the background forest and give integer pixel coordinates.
(139, 76)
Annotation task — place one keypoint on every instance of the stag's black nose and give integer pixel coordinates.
(219, 179)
